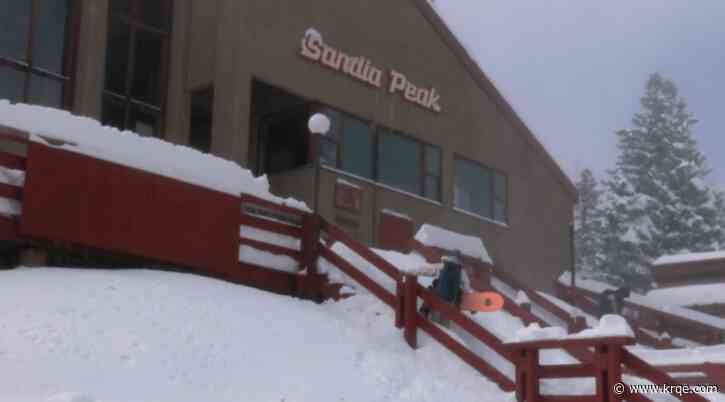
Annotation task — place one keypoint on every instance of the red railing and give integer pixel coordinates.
(642, 369)
(405, 304)
(11, 138)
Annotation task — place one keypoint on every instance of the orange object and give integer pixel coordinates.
(483, 301)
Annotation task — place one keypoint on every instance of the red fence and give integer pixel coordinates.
(78, 199)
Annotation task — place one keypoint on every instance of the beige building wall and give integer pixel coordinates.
(227, 44)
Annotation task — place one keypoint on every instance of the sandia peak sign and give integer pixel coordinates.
(362, 69)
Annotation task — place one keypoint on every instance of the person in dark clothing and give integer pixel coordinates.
(425, 309)
(606, 305)
(449, 285)
(619, 296)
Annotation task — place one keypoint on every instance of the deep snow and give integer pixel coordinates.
(117, 336)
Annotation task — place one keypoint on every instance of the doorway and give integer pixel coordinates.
(280, 140)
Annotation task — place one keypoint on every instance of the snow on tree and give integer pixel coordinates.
(588, 223)
(657, 201)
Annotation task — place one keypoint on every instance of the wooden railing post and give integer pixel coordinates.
(399, 304)
(520, 377)
(577, 324)
(308, 286)
(410, 312)
(531, 367)
(614, 371)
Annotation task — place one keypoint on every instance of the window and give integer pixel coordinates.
(480, 190)
(357, 147)
(400, 162)
(34, 58)
(136, 54)
(388, 157)
(432, 183)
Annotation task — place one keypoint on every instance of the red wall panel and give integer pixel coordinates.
(94, 203)
(395, 232)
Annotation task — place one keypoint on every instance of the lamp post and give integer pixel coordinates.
(319, 125)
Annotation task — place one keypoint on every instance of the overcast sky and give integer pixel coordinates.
(574, 70)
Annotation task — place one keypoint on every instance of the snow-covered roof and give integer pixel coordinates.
(691, 257)
(471, 246)
(689, 295)
(126, 148)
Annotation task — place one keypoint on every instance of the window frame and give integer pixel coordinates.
(376, 131)
(492, 189)
(70, 51)
(134, 22)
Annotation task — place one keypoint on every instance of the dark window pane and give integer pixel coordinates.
(11, 84)
(473, 188)
(432, 188)
(500, 190)
(500, 186)
(120, 7)
(45, 91)
(14, 25)
(147, 68)
(144, 123)
(433, 160)
(328, 152)
(114, 114)
(399, 162)
(202, 103)
(499, 211)
(335, 123)
(117, 53)
(357, 148)
(49, 37)
(156, 13)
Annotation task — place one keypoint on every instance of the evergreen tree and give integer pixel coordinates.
(658, 202)
(587, 223)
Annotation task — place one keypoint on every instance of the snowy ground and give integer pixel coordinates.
(144, 336)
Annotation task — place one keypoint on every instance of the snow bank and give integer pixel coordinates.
(129, 149)
(118, 336)
(434, 236)
(691, 295)
(685, 258)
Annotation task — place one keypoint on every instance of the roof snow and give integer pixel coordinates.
(686, 258)
(434, 236)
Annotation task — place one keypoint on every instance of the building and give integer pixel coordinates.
(689, 269)
(419, 134)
